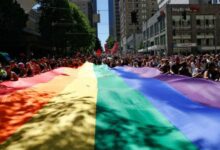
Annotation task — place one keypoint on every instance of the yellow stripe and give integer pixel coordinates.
(67, 122)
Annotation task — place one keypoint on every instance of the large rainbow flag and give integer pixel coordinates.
(95, 107)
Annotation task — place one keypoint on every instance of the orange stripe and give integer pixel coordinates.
(19, 107)
(24, 83)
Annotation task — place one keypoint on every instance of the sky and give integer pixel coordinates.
(103, 26)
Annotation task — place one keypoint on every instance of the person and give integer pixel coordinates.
(210, 72)
(3, 73)
(165, 67)
(184, 70)
(198, 71)
(23, 70)
(30, 71)
(176, 66)
(14, 67)
(11, 76)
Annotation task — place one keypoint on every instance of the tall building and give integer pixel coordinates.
(86, 8)
(183, 28)
(26, 4)
(144, 8)
(114, 19)
(161, 3)
(95, 18)
(89, 8)
(215, 1)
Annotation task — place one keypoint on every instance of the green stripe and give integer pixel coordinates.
(125, 120)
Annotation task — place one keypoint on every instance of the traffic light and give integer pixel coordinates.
(134, 19)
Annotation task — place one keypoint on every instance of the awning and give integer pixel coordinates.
(142, 50)
(156, 47)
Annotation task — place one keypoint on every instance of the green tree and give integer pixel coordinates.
(110, 42)
(82, 35)
(98, 44)
(62, 24)
(12, 22)
(55, 22)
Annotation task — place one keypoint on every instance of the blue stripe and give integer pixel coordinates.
(199, 123)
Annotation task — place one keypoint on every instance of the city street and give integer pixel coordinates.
(110, 75)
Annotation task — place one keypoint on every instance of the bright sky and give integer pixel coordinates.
(103, 26)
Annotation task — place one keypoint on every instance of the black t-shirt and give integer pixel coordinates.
(184, 71)
(29, 73)
(175, 68)
(165, 68)
(16, 70)
(213, 75)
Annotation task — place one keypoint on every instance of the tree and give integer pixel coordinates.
(110, 42)
(62, 24)
(12, 22)
(98, 44)
(55, 22)
(82, 34)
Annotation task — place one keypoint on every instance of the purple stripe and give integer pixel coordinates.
(198, 90)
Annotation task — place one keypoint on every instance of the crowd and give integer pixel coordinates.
(16, 70)
(199, 66)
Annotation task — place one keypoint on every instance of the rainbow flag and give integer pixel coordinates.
(95, 107)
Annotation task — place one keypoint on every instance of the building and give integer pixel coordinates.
(26, 4)
(96, 16)
(32, 25)
(86, 7)
(161, 3)
(183, 28)
(215, 1)
(89, 8)
(144, 9)
(114, 19)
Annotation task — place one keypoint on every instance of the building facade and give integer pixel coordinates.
(114, 19)
(96, 17)
(215, 1)
(144, 8)
(26, 4)
(89, 8)
(183, 29)
(161, 3)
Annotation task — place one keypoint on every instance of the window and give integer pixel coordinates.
(162, 25)
(157, 41)
(207, 22)
(198, 22)
(156, 28)
(199, 41)
(162, 39)
(207, 42)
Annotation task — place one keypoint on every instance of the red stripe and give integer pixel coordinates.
(20, 106)
(23, 83)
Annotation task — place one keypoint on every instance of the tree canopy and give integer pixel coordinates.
(62, 24)
(55, 21)
(98, 44)
(82, 34)
(110, 42)
(12, 22)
